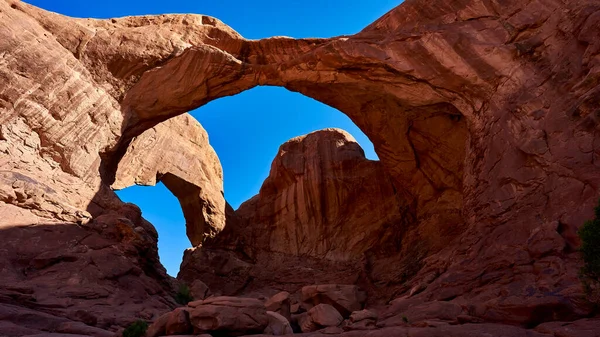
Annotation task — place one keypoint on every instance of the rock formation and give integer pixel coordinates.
(484, 115)
(323, 199)
(177, 153)
(323, 208)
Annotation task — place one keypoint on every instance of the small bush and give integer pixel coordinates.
(136, 329)
(184, 295)
(589, 234)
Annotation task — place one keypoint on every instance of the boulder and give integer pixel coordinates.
(280, 303)
(199, 290)
(296, 308)
(361, 320)
(325, 315)
(344, 298)
(319, 317)
(580, 328)
(364, 314)
(178, 322)
(304, 322)
(278, 325)
(228, 315)
(159, 326)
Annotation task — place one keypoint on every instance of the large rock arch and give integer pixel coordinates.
(483, 112)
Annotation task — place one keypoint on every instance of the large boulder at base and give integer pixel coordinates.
(228, 315)
(344, 298)
(178, 322)
(159, 326)
(325, 315)
(319, 317)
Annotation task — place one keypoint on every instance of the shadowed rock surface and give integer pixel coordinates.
(484, 115)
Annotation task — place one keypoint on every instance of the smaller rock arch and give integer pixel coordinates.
(177, 153)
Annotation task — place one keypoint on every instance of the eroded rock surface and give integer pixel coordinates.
(322, 202)
(177, 153)
(489, 132)
(323, 199)
(484, 115)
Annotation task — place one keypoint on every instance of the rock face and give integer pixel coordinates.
(75, 274)
(323, 199)
(484, 115)
(71, 247)
(489, 132)
(177, 153)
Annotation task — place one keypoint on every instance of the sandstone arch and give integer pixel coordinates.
(177, 153)
(517, 80)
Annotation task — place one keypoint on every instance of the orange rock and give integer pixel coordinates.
(323, 199)
(177, 153)
(484, 118)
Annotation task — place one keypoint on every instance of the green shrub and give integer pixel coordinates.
(184, 295)
(589, 234)
(136, 329)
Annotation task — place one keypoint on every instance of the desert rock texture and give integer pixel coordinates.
(484, 113)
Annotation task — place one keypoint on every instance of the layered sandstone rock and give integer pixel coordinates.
(484, 115)
(361, 320)
(177, 153)
(77, 274)
(72, 247)
(227, 316)
(488, 129)
(324, 208)
(323, 199)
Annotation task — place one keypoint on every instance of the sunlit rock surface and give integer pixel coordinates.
(484, 115)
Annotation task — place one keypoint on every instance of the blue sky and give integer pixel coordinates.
(247, 129)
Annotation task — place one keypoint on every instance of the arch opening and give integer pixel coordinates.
(239, 130)
(256, 123)
(162, 209)
(412, 123)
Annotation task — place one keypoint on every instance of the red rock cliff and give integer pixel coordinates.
(483, 113)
